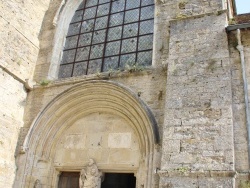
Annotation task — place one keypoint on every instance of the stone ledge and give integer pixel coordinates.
(16, 77)
(99, 76)
(198, 16)
(237, 26)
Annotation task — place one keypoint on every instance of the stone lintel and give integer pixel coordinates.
(102, 167)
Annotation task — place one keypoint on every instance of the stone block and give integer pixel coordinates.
(119, 140)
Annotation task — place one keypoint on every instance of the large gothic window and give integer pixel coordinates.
(108, 35)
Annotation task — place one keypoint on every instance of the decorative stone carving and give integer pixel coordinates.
(90, 177)
(37, 184)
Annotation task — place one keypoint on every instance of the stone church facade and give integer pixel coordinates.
(161, 95)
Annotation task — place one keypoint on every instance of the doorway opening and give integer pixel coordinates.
(119, 180)
(110, 180)
(69, 180)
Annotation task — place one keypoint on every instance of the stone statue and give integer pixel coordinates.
(37, 184)
(82, 178)
(91, 177)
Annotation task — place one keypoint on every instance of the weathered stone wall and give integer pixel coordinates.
(196, 96)
(198, 128)
(167, 10)
(20, 23)
(12, 103)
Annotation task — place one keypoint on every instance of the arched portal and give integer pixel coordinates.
(97, 119)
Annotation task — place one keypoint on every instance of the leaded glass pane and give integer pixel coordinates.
(65, 71)
(112, 48)
(108, 34)
(103, 9)
(82, 54)
(116, 19)
(132, 4)
(130, 30)
(103, 1)
(147, 2)
(146, 27)
(145, 42)
(68, 56)
(118, 6)
(129, 45)
(99, 36)
(114, 33)
(127, 60)
(110, 63)
(85, 39)
(78, 16)
(144, 58)
(74, 29)
(95, 66)
(96, 51)
(101, 23)
(91, 3)
(147, 12)
(89, 13)
(80, 68)
(87, 26)
(132, 16)
(71, 42)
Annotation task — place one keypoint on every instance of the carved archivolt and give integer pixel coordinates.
(93, 95)
(83, 99)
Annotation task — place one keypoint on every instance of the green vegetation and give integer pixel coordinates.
(44, 82)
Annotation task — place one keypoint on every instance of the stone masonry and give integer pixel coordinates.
(194, 90)
(20, 23)
(198, 134)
